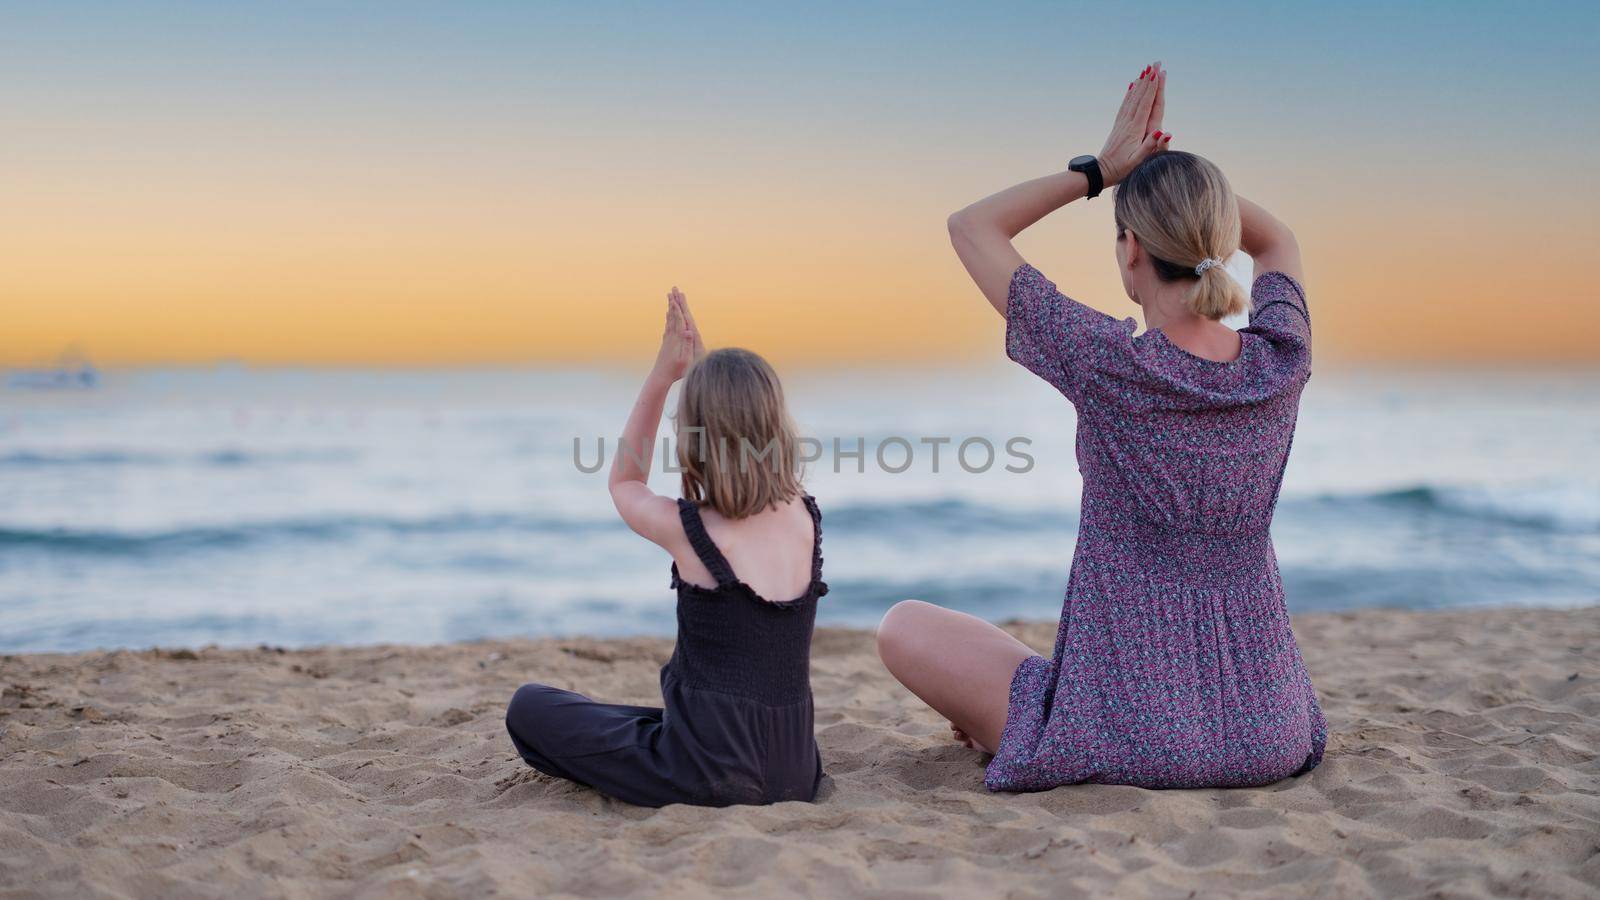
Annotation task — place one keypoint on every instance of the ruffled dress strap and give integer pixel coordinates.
(704, 546)
(818, 586)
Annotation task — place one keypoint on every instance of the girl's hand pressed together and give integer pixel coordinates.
(683, 303)
(646, 512)
(680, 340)
(1136, 133)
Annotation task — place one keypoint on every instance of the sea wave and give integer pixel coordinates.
(1568, 507)
(1557, 509)
(329, 528)
(946, 514)
(225, 457)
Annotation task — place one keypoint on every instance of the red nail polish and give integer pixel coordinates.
(1130, 85)
(1158, 135)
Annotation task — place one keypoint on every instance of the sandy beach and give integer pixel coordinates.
(1462, 762)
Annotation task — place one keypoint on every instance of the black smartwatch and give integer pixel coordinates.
(1090, 167)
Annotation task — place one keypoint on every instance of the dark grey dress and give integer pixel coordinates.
(737, 723)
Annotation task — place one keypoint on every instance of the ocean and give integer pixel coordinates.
(239, 506)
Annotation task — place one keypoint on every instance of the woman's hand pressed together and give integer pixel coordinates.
(1136, 134)
(982, 232)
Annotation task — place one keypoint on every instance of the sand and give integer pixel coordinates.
(1462, 762)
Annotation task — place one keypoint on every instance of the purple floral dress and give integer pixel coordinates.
(1174, 665)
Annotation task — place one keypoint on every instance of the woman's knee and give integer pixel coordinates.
(898, 632)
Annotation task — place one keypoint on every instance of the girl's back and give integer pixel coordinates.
(738, 722)
(770, 551)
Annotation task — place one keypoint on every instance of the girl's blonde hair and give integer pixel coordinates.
(1185, 214)
(737, 444)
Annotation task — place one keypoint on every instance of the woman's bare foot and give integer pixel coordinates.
(966, 740)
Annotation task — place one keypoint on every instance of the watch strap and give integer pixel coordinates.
(1090, 167)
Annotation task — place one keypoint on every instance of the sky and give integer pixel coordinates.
(520, 183)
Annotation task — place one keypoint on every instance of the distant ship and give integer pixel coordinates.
(72, 372)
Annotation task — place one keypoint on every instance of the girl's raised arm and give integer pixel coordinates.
(651, 515)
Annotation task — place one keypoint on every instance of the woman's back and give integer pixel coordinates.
(1175, 665)
(1166, 439)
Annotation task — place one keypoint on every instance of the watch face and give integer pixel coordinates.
(1079, 162)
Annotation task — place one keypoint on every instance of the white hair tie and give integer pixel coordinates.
(1205, 264)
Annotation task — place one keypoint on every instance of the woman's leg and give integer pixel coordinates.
(958, 664)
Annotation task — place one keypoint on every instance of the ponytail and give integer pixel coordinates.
(1217, 294)
(1185, 214)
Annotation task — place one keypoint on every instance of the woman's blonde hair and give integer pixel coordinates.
(1184, 213)
(737, 444)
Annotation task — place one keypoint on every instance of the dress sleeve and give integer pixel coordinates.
(1054, 336)
(1278, 310)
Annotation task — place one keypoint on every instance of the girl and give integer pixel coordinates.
(737, 727)
(1174, 663)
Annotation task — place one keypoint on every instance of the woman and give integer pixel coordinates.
(1174, 664)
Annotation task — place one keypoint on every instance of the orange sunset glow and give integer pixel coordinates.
(534, 208)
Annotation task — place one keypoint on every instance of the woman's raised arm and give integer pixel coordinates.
(982, 233)
(1269, 242)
